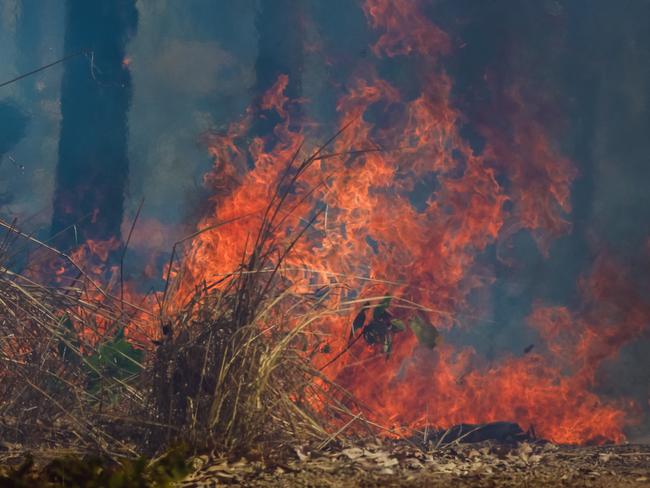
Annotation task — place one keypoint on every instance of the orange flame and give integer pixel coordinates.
(385, 232)
(375, 239)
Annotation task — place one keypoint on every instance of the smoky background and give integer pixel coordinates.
(196, 65)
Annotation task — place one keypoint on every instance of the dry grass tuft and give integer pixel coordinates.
(229, 373)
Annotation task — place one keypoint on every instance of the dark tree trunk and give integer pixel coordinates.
(95, 97)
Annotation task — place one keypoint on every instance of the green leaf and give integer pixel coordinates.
(172, 467)
(426, 333)
(116, 359)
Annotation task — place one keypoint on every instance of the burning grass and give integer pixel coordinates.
(249, 339)
(229, 370)
(217, 377)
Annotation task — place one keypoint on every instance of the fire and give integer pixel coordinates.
(613, 314)
(376, 240)
(405, 207)
(405, 29)
(88, 272)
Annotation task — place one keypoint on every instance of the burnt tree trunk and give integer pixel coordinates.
(95, 97)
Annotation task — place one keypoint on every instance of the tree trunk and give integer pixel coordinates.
(95, 96)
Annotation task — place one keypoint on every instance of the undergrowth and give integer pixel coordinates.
(226, 373)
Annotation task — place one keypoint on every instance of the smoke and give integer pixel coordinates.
(581, 73)
(578, 73)
(14, 124)
(193, 68)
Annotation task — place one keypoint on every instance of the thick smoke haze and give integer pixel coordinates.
(580, 67)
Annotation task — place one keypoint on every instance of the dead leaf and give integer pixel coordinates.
(353, 453)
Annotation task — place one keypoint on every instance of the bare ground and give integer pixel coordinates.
(398, 464)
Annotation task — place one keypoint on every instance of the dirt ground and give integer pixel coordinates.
(403, 464)
(461, 465)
